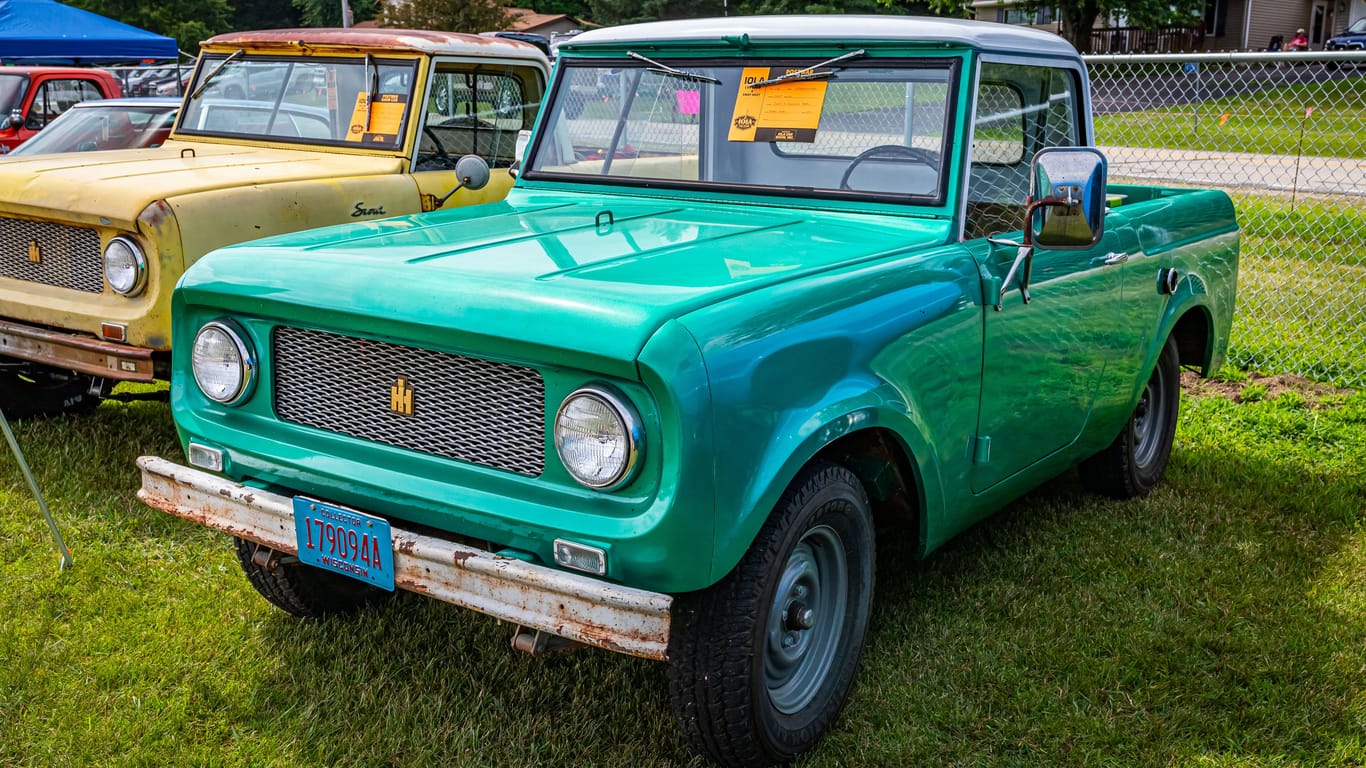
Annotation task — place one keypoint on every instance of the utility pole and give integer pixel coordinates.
(346, 14)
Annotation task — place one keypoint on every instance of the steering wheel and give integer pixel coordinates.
(439, 159)
(890, 152)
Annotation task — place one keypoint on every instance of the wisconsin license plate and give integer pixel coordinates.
(344, 541)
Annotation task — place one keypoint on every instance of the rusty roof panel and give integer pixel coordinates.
(414, 40)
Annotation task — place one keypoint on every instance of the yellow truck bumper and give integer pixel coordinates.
(75, 352)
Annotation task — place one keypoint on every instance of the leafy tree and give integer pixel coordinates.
(188, 21)
(328, 13)
(264, 14)
(577, 8)
(611, 12)
(1079, 16)
(448, 15)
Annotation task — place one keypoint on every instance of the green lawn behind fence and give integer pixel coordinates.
(1270, 122)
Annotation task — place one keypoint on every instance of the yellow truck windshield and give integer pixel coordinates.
(340, 102)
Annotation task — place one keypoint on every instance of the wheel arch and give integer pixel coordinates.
(883, 447)
(1193, 331)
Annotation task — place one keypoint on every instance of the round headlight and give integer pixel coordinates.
(597, 436)
(223, 364)
(125, 268)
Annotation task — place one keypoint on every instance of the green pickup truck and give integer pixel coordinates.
(776, 283)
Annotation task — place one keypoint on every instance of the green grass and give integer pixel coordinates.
(1270, 122)
(1218, 622)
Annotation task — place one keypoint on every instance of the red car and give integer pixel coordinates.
(32, 97)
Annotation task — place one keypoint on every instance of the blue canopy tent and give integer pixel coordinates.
(47, 32)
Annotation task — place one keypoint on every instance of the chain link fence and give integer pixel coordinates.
(1285, 135)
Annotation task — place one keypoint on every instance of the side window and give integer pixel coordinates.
(57, 96)
(1020, 110)
(477, 109)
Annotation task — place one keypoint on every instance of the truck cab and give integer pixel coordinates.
(32, 97)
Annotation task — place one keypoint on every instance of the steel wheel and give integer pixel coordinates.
(761, 663)
(805, 620)
(1133, 464)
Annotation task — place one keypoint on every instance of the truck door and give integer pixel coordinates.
(479, 109)
(1042, 361)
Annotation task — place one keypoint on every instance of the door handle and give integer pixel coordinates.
(1115, 257)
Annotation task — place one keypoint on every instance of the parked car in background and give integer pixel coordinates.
(540, 41)
(32, 97)
(105, 124)
(280, 130)
(1351, 39)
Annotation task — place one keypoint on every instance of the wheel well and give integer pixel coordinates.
(1192, 334)
(884, 467)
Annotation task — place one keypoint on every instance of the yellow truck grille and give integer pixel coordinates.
(463, 408)
(51, 254)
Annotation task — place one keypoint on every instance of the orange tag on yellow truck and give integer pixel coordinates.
(385, 118)
(781, 112)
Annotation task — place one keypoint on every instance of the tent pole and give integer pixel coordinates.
(33, 484)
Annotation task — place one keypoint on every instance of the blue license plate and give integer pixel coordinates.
(344, 541)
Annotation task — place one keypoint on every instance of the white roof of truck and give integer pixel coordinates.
(977, 34)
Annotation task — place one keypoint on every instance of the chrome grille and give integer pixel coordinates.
(478, 411)
(68, 257)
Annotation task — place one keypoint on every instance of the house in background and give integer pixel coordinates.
(1229, 25)
(527, 20)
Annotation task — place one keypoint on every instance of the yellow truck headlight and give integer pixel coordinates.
(597, 436)
(223, 363)
(125, 268)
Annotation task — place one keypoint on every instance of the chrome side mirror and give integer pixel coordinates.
(1067, 203)
(471, 172)
(15, 120)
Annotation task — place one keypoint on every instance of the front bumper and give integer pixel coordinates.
(75, 352)
(576, 607)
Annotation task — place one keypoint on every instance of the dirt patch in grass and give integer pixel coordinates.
(1257, 387)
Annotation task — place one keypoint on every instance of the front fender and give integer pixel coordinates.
(806, 435)
(896, 347)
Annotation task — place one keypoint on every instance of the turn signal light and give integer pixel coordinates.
(581, 557)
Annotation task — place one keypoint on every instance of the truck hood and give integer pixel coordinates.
(114, 187)
(594, 273)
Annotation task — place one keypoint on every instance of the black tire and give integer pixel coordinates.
(754, 677)
(37, 391)
(1133, 464)
(301, 589)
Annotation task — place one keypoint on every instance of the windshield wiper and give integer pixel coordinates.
(214, 73)
(373, 80)
(664, 69)
(810, 72)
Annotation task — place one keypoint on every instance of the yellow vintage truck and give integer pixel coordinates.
(280, 130)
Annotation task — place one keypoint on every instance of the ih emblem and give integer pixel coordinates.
(35, 255)
(401, 397)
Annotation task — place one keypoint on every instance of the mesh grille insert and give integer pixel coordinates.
(477, 411)
(51, 254)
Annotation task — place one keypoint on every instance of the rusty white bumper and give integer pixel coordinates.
(577, 607)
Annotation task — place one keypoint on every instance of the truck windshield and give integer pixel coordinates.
(338, 102)
(862, 128)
